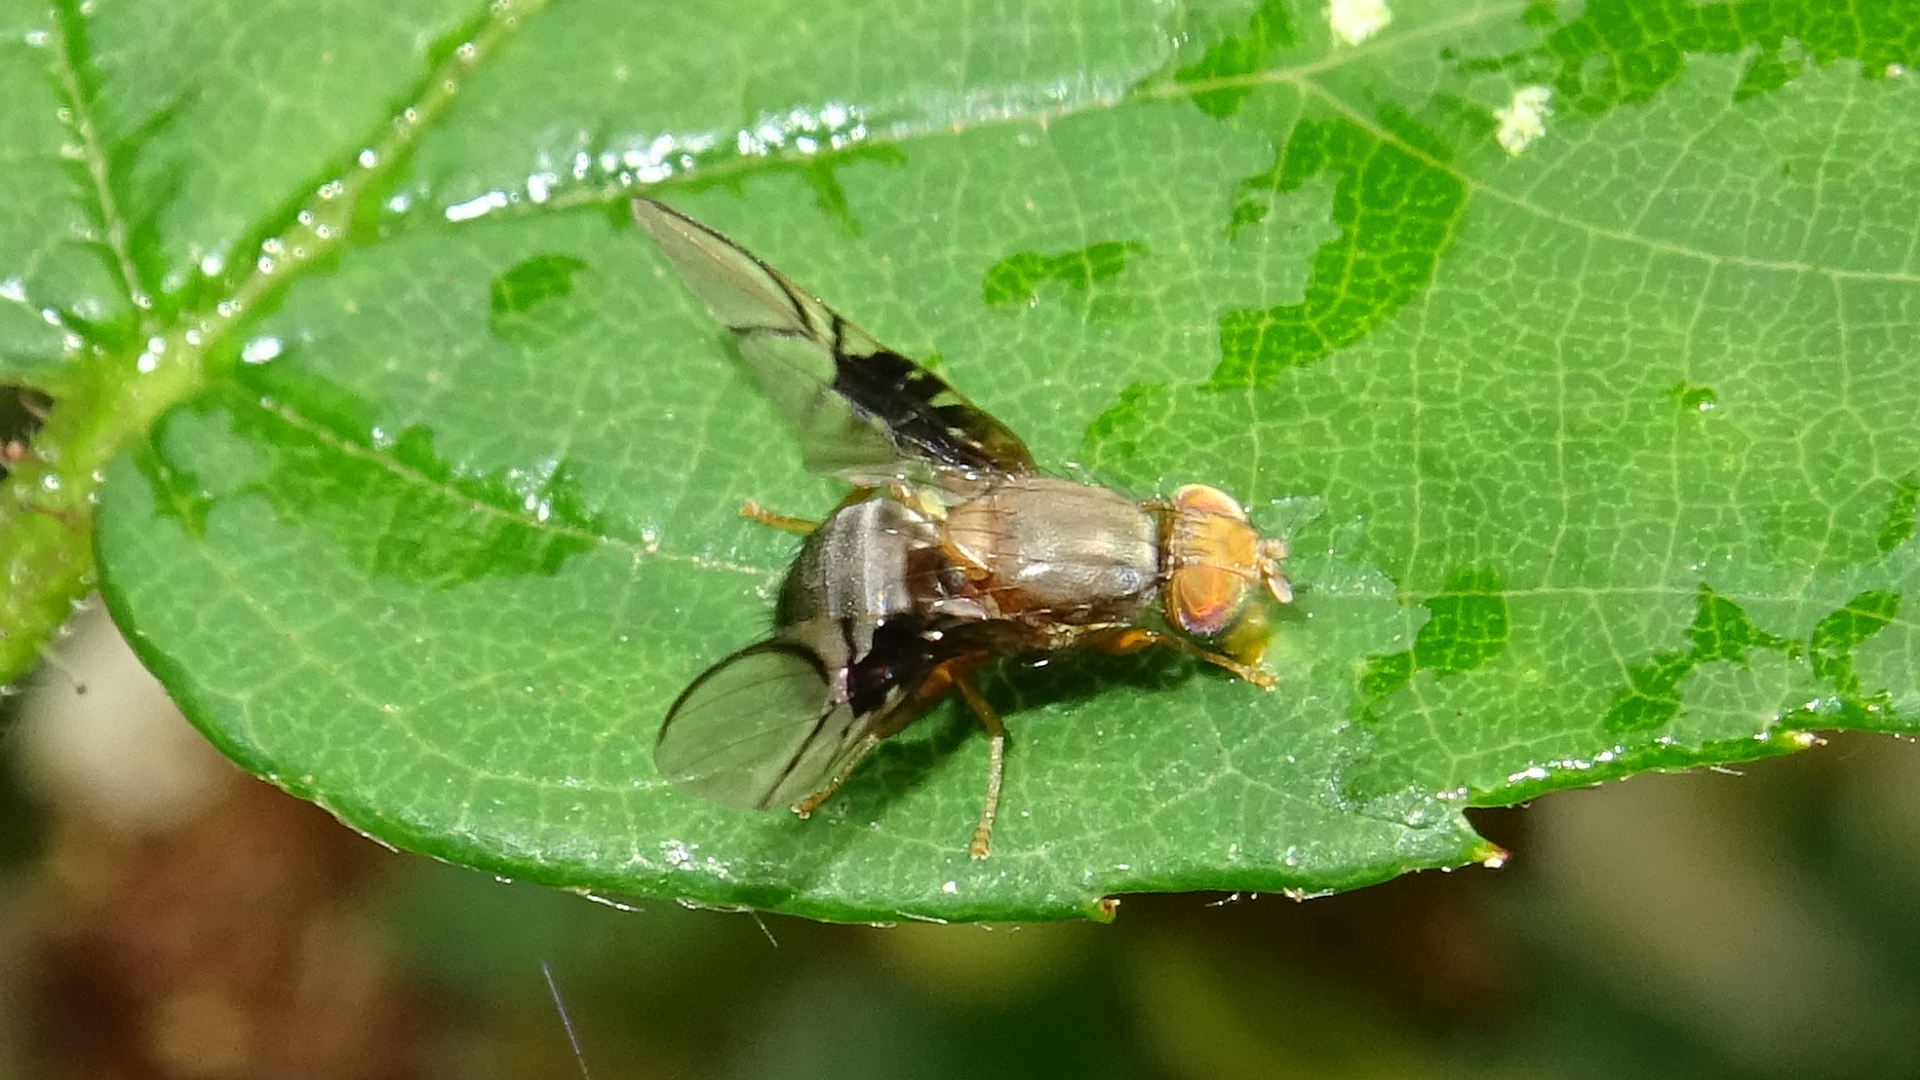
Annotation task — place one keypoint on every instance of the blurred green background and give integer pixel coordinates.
(165, 916)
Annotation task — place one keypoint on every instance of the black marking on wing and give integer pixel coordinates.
(802, 311)
(922, 412)
(882, 686)
(925, 415)
(900, 411)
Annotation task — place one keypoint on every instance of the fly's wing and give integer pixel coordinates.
(864, 412)
(779, 721)
(761, 729)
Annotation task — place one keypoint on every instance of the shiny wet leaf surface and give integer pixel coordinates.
(1572, 351)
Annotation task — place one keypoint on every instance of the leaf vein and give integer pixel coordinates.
(78, 86)
(640, 549)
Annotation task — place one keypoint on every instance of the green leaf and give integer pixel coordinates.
(1571, 350)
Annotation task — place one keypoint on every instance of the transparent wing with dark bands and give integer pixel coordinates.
(760, 729)
(864, 412)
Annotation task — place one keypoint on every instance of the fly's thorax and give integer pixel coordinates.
(1038, 547)
(1216, 563)
(869, 560)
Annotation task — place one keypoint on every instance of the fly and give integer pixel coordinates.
(953, 550)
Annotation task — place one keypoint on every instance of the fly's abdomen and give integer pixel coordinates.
(1073, 553)
(866, 562)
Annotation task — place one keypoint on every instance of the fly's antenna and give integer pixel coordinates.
(566, 1022)
(1271, 551)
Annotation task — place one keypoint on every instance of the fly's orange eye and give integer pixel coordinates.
(1196, 501)
(1214, 561)
(1205, 600)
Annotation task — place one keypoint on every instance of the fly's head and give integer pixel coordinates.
(1217, 566)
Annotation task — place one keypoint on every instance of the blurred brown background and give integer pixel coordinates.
(162, 915)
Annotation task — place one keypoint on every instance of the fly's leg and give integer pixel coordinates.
(753, 511)
(928, 694)
(996, 761)
(952, 675)
(812, 802)
(1126, 639)
(798, 526)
